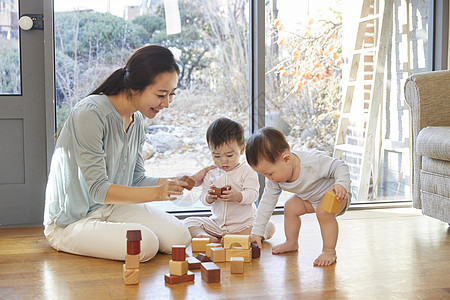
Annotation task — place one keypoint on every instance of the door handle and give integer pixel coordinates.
(31, 22)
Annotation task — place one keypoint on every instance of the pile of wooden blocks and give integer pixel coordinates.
(236, 249)
(131, 266)
(179, 266)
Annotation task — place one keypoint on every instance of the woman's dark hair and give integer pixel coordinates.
(267, 144)
(224, 130)
(140, 70)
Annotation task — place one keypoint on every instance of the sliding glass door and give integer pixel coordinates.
(209, 40)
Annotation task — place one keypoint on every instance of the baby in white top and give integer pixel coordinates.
(306, 174)
(234, 210)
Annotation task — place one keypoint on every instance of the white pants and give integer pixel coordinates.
(103, 233)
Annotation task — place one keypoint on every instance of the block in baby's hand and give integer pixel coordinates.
(330, 203)
(218, 191)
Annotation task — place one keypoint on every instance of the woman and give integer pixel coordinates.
(97, 187)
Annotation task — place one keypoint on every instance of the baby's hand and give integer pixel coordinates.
(256, 239)
(211, 195)
(231, 195)
(340, 191)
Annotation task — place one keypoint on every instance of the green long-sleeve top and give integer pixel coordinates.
(93, 152)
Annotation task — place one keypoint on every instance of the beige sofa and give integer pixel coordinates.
(428, 95)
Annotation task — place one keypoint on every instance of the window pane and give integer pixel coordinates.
(212, 49)
(304, 72)
(9, 48)
(309, 50)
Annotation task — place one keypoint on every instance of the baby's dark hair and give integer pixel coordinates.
(267, 144)
(224, 130)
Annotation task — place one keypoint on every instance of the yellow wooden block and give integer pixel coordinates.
(237, 265)
(238, 252)
(218, 254)
(199, 244)
(130, 276)
(330, 203)
(178, 267)
(211, 245)
(132, 261)
(230, 240)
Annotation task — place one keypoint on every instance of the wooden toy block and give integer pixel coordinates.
(210, 272)
(231, 239)
(199, 244)
(190, 181)
(256, 252)
(237, 265)
(193, 263)
(130, 276)
(134, 235)
(238, 252)
(134, 242)
(330, 203)
(132, 261)
(211, 245)
(172, 279)
(133, 248)
(203, 258)
(218, 254)
(178, 253)
(178, 267)
(219, 190)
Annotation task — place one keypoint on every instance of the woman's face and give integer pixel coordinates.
(156, 96)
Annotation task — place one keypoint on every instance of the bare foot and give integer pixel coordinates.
(212, 239)
(285, 247)
(326, 258)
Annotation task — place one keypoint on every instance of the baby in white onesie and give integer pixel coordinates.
(306, 174)
(233, 208)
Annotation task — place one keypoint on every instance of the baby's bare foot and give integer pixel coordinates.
(326, 258)
(212, 239)
(285, 247)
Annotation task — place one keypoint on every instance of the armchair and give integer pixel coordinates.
(428, 95)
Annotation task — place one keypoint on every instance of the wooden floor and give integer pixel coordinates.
(382, 254)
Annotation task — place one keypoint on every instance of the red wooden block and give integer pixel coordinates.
(219, 190)
(256, 252)
(133, 248)
(133, 242)
(190, 181)
(210, 272)
(193, 263)
(134, 235)
(169, 278)
(203, 258)
(178, 252)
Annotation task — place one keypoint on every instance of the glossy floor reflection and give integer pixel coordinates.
(382, 253)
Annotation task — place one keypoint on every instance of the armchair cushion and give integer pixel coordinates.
(434, 142)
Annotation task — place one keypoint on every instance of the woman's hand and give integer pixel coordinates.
(231, 195)
(198, 177)
(168, 188)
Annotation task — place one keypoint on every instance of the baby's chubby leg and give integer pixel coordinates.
(330, 230)
(293, 209)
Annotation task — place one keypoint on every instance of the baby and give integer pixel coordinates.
(306, 174)
(233, 208)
